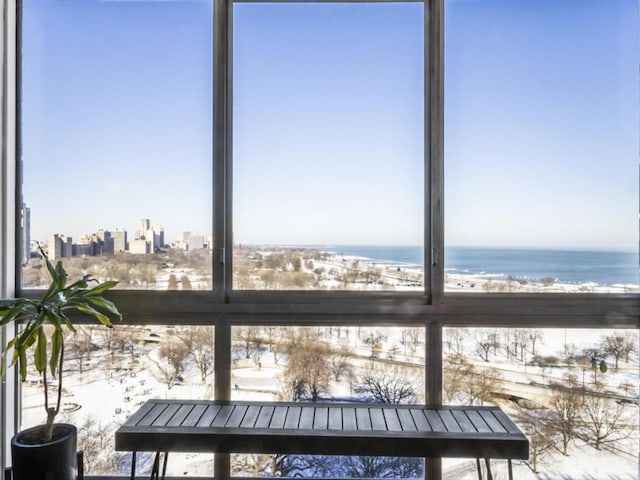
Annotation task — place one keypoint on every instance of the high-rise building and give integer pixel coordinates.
(158, 236)
(119, 241)
(25, 218)
(140, 246)
(60, 246)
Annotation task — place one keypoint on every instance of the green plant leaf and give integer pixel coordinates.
(22, 363)
(100, 288)
(106, 304)
(56, 347)
(40, 355)
(95, 313)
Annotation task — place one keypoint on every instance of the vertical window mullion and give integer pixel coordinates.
(434, 147)
(221, 149)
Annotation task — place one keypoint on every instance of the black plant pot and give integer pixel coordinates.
(54, 460)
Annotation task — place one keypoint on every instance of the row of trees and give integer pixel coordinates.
(516, 343)
(129, 270)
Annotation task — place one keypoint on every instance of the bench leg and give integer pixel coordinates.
(133, 465)
(510, 469)
(80, 464)
(164, 465)
(7, 473)
(155, 471)
(487, 462)
(479, 469)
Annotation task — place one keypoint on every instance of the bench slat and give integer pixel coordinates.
(465, 424)
(392, 420)
(335, 418)
(306, 418)
(506, 421)
(478, 422)
(180, 415)
(278, 418)
(152, 415)
(492, 421)
(421, 421)
(435, 421)
(236, 416)
(321, 418)
(140, 414)
(209, 416)
(250, 417)
(222, 416)
(349, 421)
(406, 420)
(449, 422)
(377, 419)
(293, 417)
(363, 418)
(194, 416)
(264, 417)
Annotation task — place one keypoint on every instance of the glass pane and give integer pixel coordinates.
(541, 146)
(328, 146)
(328, 364)
(573, 392)
(110, 373)
(116, 141)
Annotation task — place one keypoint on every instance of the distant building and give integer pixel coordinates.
(25, 218)
(158, 236)
(192, 241)
(140, 246)
(154, 234)
(119, 241)
(60, 246)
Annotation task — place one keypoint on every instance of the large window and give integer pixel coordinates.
(541, 116)
(116, 141)
(328, 146)
(405, 194)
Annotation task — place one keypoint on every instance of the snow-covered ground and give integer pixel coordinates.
(108, 396)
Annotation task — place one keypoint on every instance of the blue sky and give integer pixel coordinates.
(541, 120)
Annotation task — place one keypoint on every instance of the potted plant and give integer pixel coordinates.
(43, 323)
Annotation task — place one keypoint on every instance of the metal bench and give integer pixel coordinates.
(164, 426)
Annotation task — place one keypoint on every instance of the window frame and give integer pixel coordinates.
(223, 307)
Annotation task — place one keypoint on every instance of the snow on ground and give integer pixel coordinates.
(109, 397)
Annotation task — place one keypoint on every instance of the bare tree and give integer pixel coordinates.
(250, 338)
(455, 339)
(308, 370)
(481, 384)
(535, 335)
(605, 421)
(198, 341)
(95, 439)
(454, 370)
(536, 425)
(340, 360)
(386, 386)
(485, 339)
(173, 355)
(565, 409)
(81, 347)
(380, 467)
(619, 345)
